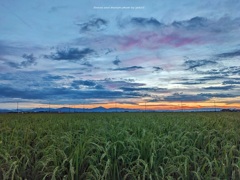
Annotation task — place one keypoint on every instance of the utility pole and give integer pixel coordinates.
(181, 106)
(215, 106)
(145, 107)
(17, 107)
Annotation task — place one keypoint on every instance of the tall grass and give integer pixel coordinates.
(120, 146)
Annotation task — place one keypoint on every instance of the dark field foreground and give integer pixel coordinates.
(120, 146)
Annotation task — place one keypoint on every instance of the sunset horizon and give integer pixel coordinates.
(165, 106)
(165, 55)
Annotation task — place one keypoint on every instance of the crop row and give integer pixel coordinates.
(120, 146)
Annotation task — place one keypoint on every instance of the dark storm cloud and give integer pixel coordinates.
(193, 64)
(140, 21)
(218, 95)
(224, 88)
(95, 24)
(229, 54)
(185, 97)
(29, 61)
(116, 61)
(157, 69)
(230, 82)
(72, 54)
(192, 24)
(50, 77)
(131, 68)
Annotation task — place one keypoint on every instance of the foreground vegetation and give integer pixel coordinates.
(120, 146)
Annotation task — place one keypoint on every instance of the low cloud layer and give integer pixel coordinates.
(131, 68)
(194, 64)
(29, 60)
(95, 24)
(71, 54)
(229, 54)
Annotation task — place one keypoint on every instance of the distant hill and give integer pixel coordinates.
(4, 110)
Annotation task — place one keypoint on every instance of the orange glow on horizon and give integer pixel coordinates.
(158, 106)
(140, 105)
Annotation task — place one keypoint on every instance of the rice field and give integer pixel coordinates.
(120, 146)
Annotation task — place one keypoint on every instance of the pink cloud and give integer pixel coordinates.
(153, 40)
(149, 40)
(178, 41)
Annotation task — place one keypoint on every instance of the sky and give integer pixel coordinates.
(167, 54)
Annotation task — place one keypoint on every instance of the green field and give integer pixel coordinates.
(120, 146)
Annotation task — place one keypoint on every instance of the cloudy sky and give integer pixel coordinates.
(122, 53)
